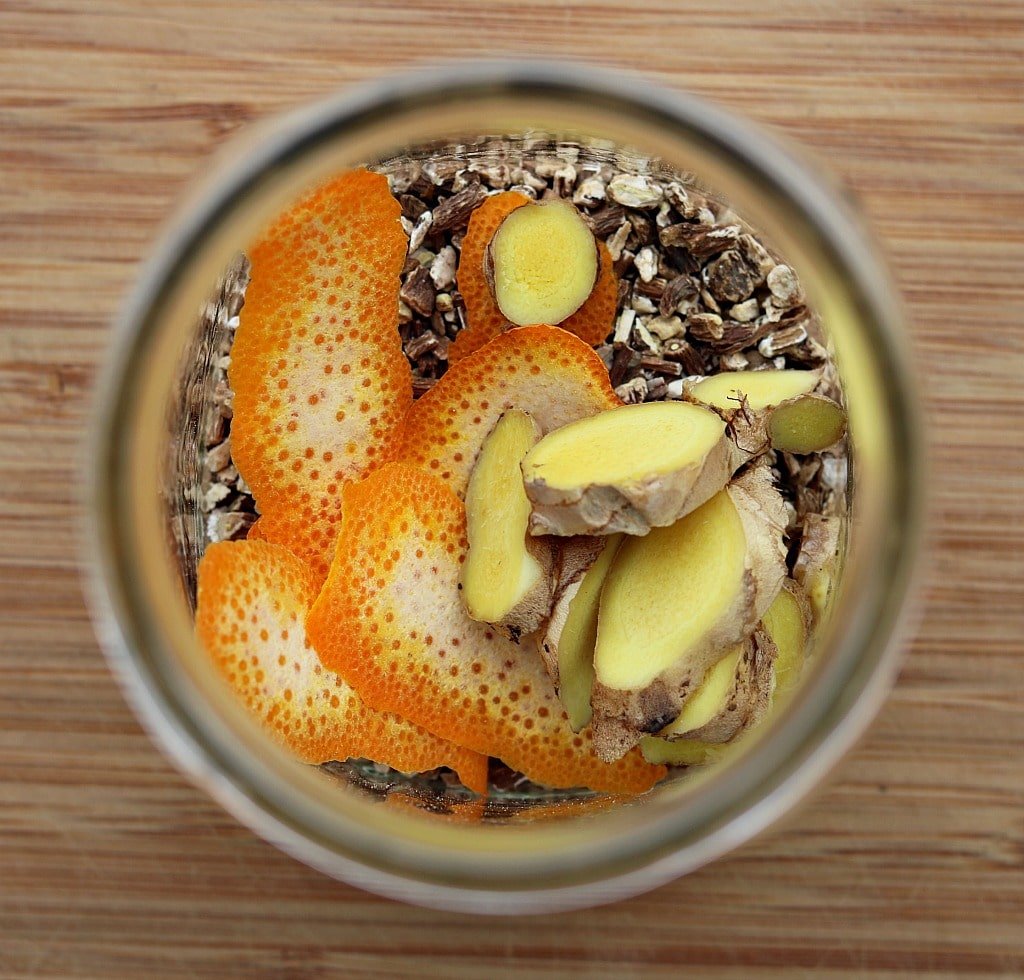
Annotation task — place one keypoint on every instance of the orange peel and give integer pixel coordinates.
(592, 322)
(390, 620)
(321, 385)
(544, 371)
(253, 599)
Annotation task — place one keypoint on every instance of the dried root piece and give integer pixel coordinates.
(542, 263)
(631, 469)
(252, 603)
(816, 565)
(675, 599)
(507, 577)
(390, 621)
(806, 424)
(321, 384)
(787, 622)
(592, 322)
(543, 371)
(571, 633)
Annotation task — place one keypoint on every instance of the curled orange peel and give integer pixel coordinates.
(544, 371)
(390, 620)
(321, 385)
(592, 322)
(253, 599)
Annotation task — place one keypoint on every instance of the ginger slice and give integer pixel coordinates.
(787, 622)
(507, 577)
(542, 263)
(684, 752)
(817, 562)
(253, 598)
(631, 469)
(592, 322)
(543, 371)
(675, 599)
(571, 632)
(321, 384)
(806, 424)
(390, 620)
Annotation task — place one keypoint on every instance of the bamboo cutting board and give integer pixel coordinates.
(911, 863)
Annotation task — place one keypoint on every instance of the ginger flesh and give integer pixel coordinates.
(501, 573)
(543, 263)
(579, 637)
(807, 424)
(666, 591)
(710, 699)
(786, 624)
(759, 389)
(685, 752)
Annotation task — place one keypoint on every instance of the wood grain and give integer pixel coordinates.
(910, 864)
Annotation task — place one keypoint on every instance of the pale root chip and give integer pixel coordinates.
(628, 470)
(592, 322)
(551, 375)
(321, 384)
(675, 599)
(253, 599)
(391, 621)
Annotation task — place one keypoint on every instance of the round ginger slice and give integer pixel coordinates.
(253, 599)
(391, 621)
(543, 371)
(592, 322)
(321, 384)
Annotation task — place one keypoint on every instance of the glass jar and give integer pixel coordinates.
(146, 450)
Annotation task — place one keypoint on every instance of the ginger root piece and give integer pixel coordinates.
(321, 384)
(542, 263)
(253, 598)
(787, 622)
(507, 577)
(543, 371)
(390, 620)
(631, 469)
(747, 400)
(568, 642)
(806, 424)
(592, 322)
(685, 752)
(675, 599)
(817, 563)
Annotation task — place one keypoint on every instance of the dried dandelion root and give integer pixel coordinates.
(542, 263)
(631, 469)
(591, 323)
(816, 564)
(674, 600)
(507, 575)
(787, 623)
(543, 371)
(772, 408)
(391, 622)
(807, 424)
(253, 598)
(321, 384)
(571, 633)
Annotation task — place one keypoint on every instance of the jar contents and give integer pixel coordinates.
(525, 463)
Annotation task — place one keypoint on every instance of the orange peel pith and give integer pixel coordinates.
(253, 600)
(592, 322)
(391, 621)
(320, 381)
(543, 371)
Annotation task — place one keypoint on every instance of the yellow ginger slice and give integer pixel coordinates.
(631, 469)
(675, 599)
(759, 389)
(253, 598)
(806, 424)
(542, 263)
(571, 633)
(390, 621)
(321, 384)
(787, 622)
(507, 576)
(544, 371)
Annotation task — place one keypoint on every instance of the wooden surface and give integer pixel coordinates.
(910, 864)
